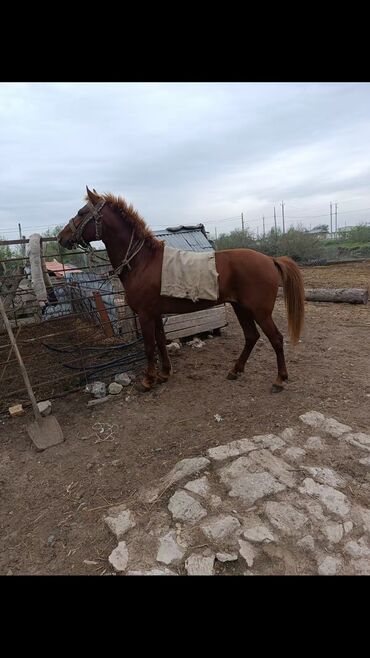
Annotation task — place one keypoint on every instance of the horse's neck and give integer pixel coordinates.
(121, 247)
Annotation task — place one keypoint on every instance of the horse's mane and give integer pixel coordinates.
(131, 216)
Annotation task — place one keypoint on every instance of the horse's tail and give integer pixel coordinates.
(293, 295)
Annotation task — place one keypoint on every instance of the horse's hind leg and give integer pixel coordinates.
(251, 335)
(276, 339)
(160, 337)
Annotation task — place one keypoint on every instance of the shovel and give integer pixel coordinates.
(44, 432)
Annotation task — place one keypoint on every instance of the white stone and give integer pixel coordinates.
(220, 528)
(315, 443)
(247, 552)
(334, 428)
(152, 572)
(347, 527)
(326, 475)
(264, 460)
(335, 501)
(119, 557)
(98, 389)
(288, 434)
(365, 461)
(252, 486)
(173, 347)
(307, 543)
(313, 418)
(114, 388)
(169, 550)
(358, 439)
(119, 521)
(233, 449)
(314, 510)
(270, 441)
(285, 517)
(226, 557)
(294, 453)
(198, 565)
(333, 532)
(259, 533)
(329, 425)
(357, 549)
(184, 507)
(186, 467)
(199, 486)
(215, 501)
(329, 566)
(365, 517)
(361, 566)
(44, 407)
(123, 378)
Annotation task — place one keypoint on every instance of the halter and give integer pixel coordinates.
(96, 214)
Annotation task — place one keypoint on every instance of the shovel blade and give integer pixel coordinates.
(45, 433)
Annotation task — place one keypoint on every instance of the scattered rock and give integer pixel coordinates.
(233, 449)
(119, 557)
(313, 418)
(270, 441)
(218, 418)
(361, 566)
(98, 389)
(44, 407)
(335, 501)
(358, 439)
(220, 528)
(185, 507)
(123, 378)
(173, 347)
(114, 388)
(365, 461)
(186, 467)
(120, 520)
(259, 533)
(315, 443)
(51, 540)
(329, 566)
(247, 552)
(152, 572)
(288, 434)
(329, 425)
(249, 486)
(199, 486)
(307, 543)
(16, 410)
(357, 549)
(294, 453)
(196, 343)
(347, 527)
(365, 518)
(326, 475)
(333, 532)
(198, 565)
(226, 557)
(169, 550)
(285, 517)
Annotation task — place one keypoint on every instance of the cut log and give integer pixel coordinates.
(336, 295)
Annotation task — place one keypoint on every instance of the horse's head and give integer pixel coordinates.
(81, 230)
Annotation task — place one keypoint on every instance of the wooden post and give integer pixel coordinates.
(104, 317)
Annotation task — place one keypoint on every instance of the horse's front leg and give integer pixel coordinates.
(161, 344)
(147, 324)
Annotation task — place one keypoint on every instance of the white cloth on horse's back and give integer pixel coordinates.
(189, 274)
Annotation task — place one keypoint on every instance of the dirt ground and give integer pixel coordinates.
(52, 502)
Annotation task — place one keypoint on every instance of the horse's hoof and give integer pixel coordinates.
(142, 388)
(162, 379)
(276, 388)
(232, 375)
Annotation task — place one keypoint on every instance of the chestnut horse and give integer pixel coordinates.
(248, 280)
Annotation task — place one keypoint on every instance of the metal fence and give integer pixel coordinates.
(85, 331)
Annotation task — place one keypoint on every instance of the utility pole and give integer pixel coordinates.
(242, 222)
(331, 219)
(215, 232)
(263, 222)
(336, 219)
(275, 221)
(282, 214)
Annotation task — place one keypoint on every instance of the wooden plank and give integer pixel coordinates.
(215, 312)
(181, 322)
(100, 307)
(192, 331)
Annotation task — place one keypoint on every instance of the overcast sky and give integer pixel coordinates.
(185, 153)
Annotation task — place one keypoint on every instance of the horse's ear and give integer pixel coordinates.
(92, 196)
